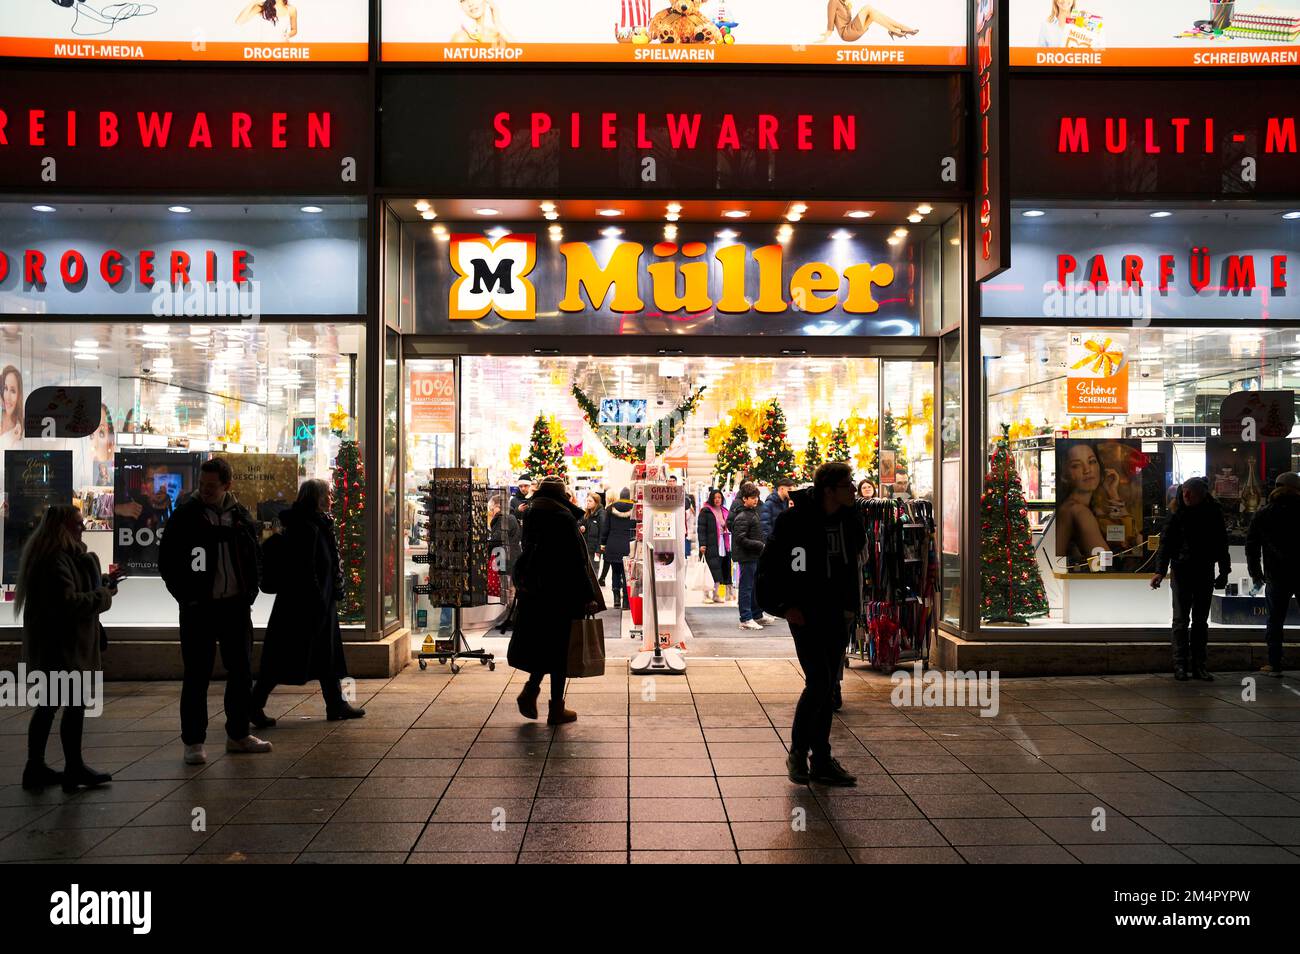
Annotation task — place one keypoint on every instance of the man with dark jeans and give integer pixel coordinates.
(1275, 535)
(210, 560)
(811, 573)
(746, 548)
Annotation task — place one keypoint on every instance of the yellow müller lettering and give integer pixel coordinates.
(771, 301)
(859, 300)
(733, 300)
(812, 278)
(581, 270)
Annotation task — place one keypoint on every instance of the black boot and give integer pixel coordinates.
(837, 698)
(37, 775)
(343, 710)
(260, 720)
(73, 778)
(1200, 672)
(527, 700)
(796, 767)
(1180, 672)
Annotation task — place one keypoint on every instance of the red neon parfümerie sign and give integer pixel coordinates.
(764, 131)
(163, 129)
(1237, 271)
(1180, 134)
(178, 266)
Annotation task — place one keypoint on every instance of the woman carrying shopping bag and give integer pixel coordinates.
(556, 586)
(715, 545)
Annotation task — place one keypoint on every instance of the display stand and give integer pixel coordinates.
(667, 662)
(456, 508)
(899, 614)
(661, 531)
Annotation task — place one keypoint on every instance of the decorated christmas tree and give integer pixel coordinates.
(812, 459)
(839, 446)
(891, 440)
(1011, 590)
(545, 457)
(349, 523)
(774, 458)
(733, 457)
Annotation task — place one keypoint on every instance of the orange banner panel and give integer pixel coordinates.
(96, 49)
(1191, 56)
(791, 54)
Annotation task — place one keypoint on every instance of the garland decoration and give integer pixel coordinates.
(628, 441)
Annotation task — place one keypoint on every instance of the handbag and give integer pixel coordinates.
(586, 648)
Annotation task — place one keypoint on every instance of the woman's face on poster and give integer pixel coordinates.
(1084, 470)
(103, 438)
(11, 394)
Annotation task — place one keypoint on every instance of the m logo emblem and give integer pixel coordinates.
(492, 277)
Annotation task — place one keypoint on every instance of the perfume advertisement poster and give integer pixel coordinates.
(265, 483)
(149, 486)
(34, 482)
(1242, 475)
(1099, 504)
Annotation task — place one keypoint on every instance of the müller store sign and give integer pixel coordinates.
(521, 282)
(183, 130)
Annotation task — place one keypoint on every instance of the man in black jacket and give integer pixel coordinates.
(811, 574)
(210, 559)
(1275, 534)
(519, 502)
(1193, 541)
(746, 548)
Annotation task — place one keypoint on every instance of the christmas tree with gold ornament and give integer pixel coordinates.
(1011, 589)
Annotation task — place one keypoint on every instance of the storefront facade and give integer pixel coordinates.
(1145, 333)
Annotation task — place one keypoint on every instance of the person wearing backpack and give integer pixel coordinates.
(303, 640)
(811, 574)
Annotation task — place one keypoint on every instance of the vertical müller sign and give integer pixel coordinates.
(992, 195)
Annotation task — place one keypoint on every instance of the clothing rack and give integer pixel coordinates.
(898, 616)
(455, 507)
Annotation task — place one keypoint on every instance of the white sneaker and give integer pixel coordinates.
(249, 743)
(750, 625)
(195, 755)
(764, 620)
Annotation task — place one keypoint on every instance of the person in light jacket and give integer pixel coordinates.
(61, 594)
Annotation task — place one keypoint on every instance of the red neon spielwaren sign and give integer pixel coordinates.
(1179, 134)
(805, 132)
(181, 267)
(165, 129)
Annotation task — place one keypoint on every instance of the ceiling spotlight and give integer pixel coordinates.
(672, 216)
(548, 206)
(736, 213)
(859, 214)
(42, 208)
(674, 207)
(611, 232)
(1291, 215)
(900, 232)
(550, 216)
(1161, 215)
(925, 208)
(1033, 213)
(556, 233)
(893, 240)
(726, 235)
(841, 235)
(784, 233)
(486, 211)
(914, 217)
(428, 215)
(670, 232)
(799, 208)
(609, 213)
(794, 216)
(423, 205)
(180, 209)
(312, 209)
(86, 357)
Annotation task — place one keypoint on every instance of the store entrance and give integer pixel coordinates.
(713, 419)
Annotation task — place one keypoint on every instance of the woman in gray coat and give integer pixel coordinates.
(61, 593)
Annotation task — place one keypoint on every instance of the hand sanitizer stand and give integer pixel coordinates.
(663, 554)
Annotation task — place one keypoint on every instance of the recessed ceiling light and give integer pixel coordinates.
(726, 235)
(611, 232)
(85, 357)
(798, 208)
(1161, 215)
(900, 232)
(180, 209)
(548, 206)
(487, 211)
(670, 232)
(550, 216)
(42, 208)
(86, 344)
(841, 235)
(312, 209)
(423, 205)
(1033, 213)
(893, 240)
(736, 213)
(609, 213)
(672, 216)
(859, 214)
(794, 216)
(925, 208)
(914, 217)
(674, 207)
(428, 215)
(1291, 215)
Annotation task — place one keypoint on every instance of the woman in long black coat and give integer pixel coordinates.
(620, 530)
(590, 526)
(556, 585)
(303, 640)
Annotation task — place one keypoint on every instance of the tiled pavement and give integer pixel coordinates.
(444, 769)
